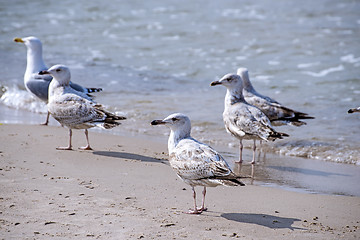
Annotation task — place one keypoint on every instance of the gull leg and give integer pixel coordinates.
(195, 211)
(69, 147)
(252, 173)
(241, 149)
(203, 208)
(254, 152)
(87, 140)
(259, 152)
(47, 119)
(237, 168)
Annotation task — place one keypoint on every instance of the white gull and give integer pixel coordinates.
(241, 119)
(72, 109)
(277, 113)
(37, 84)
(196, 163)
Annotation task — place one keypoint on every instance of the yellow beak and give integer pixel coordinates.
(18, 40)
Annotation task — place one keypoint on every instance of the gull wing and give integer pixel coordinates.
(194, 160)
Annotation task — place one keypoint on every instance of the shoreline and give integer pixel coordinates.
(125, 189)
(272, 170)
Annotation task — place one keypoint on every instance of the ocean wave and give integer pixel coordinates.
(319, 150)
(325, 72)
(350, 59)
(307, 65)
(17, 98)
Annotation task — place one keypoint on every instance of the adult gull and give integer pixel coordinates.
(37, 84)
(196, 163)
(243, 120)
(277, 113)
(72, 109)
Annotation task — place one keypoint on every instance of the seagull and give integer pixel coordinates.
(196, 163)
(243, 120)
(37, 84)
(276, 112)
(73, 109)
(352, 110)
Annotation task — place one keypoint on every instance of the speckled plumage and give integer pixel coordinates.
(241, 119)
(73, 109)
(76, 112)
(276, 112)
(196, 163)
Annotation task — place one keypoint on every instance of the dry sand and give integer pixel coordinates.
(125, 189)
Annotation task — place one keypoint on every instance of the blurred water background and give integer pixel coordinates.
(153, 58)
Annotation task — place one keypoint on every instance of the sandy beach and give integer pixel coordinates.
(125, 189)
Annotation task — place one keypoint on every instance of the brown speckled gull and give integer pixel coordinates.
(241, 119)
(194, 162)
(74, 109)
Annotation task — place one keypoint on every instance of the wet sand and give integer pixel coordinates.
(125, 189)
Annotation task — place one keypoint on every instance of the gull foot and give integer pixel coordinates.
(196, 211)
(202, 209)
(64, 148)
(86, 148)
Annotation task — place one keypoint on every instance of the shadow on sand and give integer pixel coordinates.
(265, 220)
(132, 156)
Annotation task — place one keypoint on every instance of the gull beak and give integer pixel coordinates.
(214, 83)
(18, 40)
(157, 122)
(44, 72)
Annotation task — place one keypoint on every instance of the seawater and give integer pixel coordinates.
(153, 58)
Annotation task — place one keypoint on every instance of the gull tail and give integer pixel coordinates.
(352, 110)
(92, 90)
(232, 182)
(294, 118)
(277, 135)
(109, 119)
(80, 88)
(229, 180)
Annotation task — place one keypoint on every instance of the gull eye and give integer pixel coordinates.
(58, 70)
(174, 119)
(229, 79)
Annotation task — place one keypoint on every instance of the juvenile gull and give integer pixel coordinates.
(276, 112)
(194, 162)
(352, 110)
(241, 119)
(72, 109)
(37, 84)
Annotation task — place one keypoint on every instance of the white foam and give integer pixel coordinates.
(319, 150)
(273, 62)
(17, 98)
(307, 65)
(325, 72)
(350, 59)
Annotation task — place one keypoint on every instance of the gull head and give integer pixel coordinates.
(60, 73)
(176, 122)
(244, 74)
(230, 81)
(31, 42)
